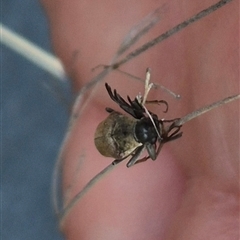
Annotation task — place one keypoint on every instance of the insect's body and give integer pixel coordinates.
(120, 136)
(115, 137)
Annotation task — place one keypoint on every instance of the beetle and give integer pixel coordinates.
(120, 136)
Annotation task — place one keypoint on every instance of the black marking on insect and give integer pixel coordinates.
(120, 136)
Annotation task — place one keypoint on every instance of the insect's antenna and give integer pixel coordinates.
(155, 85)
(142, 100)
(173, 94)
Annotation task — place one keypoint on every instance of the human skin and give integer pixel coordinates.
(192, 190)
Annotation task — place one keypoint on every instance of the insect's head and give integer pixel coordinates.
(145, 131)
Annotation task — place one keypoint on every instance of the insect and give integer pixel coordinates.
(121, 136)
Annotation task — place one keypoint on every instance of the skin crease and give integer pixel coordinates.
(192, 190)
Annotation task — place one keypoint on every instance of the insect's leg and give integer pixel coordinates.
(142, 160)
(171, 120)
(158, 102)
(151, 149)
(117, 161)
(135, 156)
(175, 137)
(159, 149)
(175, 134)
(109, 110)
